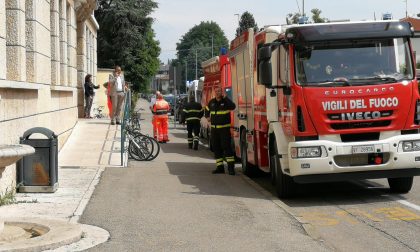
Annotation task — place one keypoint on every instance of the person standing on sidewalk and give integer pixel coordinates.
(193, 113)
(117, 90)
(160, 118)
(89, 94)
(218, 111)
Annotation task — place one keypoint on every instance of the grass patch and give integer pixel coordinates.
(7, 199)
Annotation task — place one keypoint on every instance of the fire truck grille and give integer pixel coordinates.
(359, 125)
(360, 137)
(358, 159)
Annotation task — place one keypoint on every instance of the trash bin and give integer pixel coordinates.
(39, 172)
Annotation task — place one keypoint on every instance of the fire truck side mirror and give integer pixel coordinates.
(264, 66)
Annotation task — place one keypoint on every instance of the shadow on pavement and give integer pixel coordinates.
(178, 127)
(182, 148)
(199, 176)
(334, 193)
(102, 122)
(182, 135)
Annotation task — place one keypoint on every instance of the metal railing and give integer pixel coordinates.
(127, 109)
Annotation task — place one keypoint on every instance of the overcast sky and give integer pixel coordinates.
(174, 18)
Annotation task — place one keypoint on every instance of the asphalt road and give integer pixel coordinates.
(174, 203)
(358, 215)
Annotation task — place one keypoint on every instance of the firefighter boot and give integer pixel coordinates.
(219, 169)
(231, 169)
(190, 145)
(195, 145)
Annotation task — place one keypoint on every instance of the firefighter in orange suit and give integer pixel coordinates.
(160, 118)
(152, 103)
(218, 111)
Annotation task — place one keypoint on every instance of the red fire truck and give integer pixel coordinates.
(216, 74)
(327, 102)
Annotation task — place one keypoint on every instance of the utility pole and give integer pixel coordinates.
(174, 80)
(212, 45)
(303, 7)
(196, 73)
(175, 105)
(406, 13)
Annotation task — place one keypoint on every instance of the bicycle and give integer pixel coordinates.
(98, 112)
(139, 144)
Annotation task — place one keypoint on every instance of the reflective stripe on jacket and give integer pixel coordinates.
(161, 107)
(219, 112)
(193, 111)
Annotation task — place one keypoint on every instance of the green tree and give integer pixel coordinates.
(126, 38)
(293, 18)
(246, 21)
(197, 42)
(316, 16)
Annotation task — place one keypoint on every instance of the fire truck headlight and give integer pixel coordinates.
(306, 152)
(408, 146)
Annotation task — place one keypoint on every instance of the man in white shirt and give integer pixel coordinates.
(117, 91)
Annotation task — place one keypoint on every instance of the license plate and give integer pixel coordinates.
(363, 149)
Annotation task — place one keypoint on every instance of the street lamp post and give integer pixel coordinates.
(238, 18)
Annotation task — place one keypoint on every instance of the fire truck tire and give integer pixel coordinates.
(247, 168)
(285, 186)
(400, 185)
(232, 145)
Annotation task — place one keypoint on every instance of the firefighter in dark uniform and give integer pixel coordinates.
(193, 113)
(218, 109)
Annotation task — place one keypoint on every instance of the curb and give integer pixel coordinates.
(86, 197)
(57, 233)
(309, 229)
(91, 237)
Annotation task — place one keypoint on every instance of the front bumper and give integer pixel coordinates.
(339, 160)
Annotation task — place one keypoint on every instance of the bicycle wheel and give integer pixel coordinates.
(140, 147)
(156, 149)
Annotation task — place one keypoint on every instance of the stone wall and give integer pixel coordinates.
(86, 56)
(39, 69)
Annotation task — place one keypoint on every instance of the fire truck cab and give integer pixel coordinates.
(216, 74)
(327, 102)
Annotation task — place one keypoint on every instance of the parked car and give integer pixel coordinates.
(171, 100)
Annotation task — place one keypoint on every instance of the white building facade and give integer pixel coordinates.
(46, 49)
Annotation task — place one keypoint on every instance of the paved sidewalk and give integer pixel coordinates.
(93, 145)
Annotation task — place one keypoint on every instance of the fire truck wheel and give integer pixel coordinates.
(285, 186)
(400, 185)
(247, 168)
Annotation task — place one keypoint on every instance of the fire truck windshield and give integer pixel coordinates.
(353, 62)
